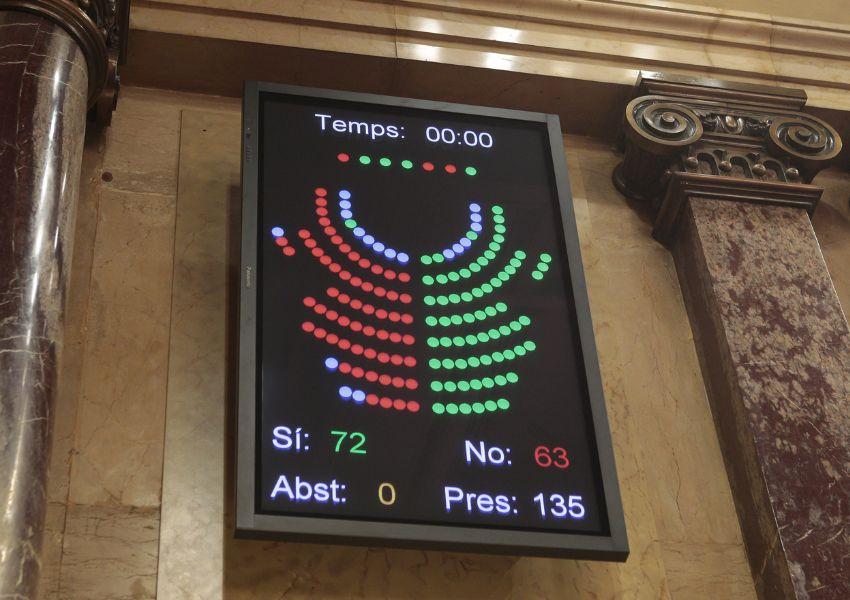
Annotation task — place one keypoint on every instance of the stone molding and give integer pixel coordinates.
(100, 29)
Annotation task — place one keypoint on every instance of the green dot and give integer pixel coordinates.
(489, 254)
(490, 405)
(436, 386)
(503, 403)
(477, 408)
(465, 273)
(530, 346)
(442, 300)
(385, 162)
(475, 267)
(494, 246)
(456, 319)
(365, 160)
(500, 380)
(407, 164)
(475, 384)
(486, 360)
(482, 261)
(524, 321)
(499, 228)
(490, 311)
(504, 276)
(471, 236)
(458, 341)
(501, 306)
(438, 408)
(516, 263)
(470, 170)
(434, 363)
(429, 300)
(494, 334)
(451, 409)
(520, 254)
(497, 210)
(499, 219)
(425, 260)
(496, 282)
(350, 223)
(510, 270)
(487, 288)
(515, 325)
(468, 318)
(546, 258)
(433, 342)
(542, 267)
(505, 330)
(499, 238)
(461, 363)
(450, 386)
(477, 292)
(463, 386)
(498, 356)
(444, 321)
(454, 298)
(520, 350)
(512, 377)
(446, 342)
(509, 354)
(480, 315)
(442, 279)
(466, 297)
(465, 408)
(438, 258)
(428, 280)
(471, 339)
(454, 276)
(448, 363)
(474, 362)
(488, 383)
(537, 275)
(483, 337)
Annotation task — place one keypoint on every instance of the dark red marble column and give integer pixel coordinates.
(43, 101)
(775, 349)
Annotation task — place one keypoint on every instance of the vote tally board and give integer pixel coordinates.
(417, 363)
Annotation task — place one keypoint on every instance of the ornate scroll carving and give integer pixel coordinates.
(663, 135)
(100, 27)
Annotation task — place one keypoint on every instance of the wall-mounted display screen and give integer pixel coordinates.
(417, 360)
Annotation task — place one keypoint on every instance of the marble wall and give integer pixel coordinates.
(141, 465)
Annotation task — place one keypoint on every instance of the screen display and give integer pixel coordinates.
(417, 347)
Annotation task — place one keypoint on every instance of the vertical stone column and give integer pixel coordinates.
(43, 102)
(731, 202)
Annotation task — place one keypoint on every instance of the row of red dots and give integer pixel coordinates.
(357, 326)
(284, 246)
(368, 309)
(398, 403)
(334, 267)
(372, 377)
(357, 349)
(353, 255)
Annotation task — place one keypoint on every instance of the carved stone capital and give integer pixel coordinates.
(100, 29)
(749, 133)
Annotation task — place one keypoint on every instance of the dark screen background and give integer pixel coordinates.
(417, 211)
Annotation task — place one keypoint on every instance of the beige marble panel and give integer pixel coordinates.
(118, 448)
(707, 571)
(110, 553)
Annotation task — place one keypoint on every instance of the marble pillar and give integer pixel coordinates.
(43, 102)
(727, 171)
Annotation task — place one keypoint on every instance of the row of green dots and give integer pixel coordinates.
(542, 266)
(470, 317)
(475, 266)
(486, 360)
(496, 281)
(475, 385)
(467, 408)
(482, 337)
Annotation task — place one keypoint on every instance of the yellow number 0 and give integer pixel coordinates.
(382, 495)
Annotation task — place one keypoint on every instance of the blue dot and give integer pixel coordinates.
(331, 363)
(277, 231)
(345, 214)
(344, 204)
(465, 242)
(476, 227)
(474, 207)
(389, 253)
(402, 258)
(344, 194)
(368, 239)
(345, 392)
(475, 218)
(448, 253)
(359, 232)
(457, 248)
(358, 396)
(378, 247)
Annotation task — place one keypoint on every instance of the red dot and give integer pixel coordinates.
(394, 317)
(407, 319)
(344, 248)
(451, 169)
(386, 402)
(405, 298)
(326, 260)
(344, 368)
(356, 281)
(317, 252)
(344, 321)
(344, 275)
(413, 406)
(342, 157)
(333, 292)
(334, 268)
(344, 344)
(310, 243)
(370, 353)
(355, 304)
(331, 315)
(357, 349)
(380, 292)
(355, 256)
(281, 241)
(371, 376)
(289, 251)
(357, 372)
(322, 211)
(382, 335)
(364, 264)
(395, 338)
(411, 384)
(326, 223)
(330, 230)
(383, 357)
(309, 302)
(368, 309)
(389, 274)
(344, 298)
(319, 332)
(333, 338)
(356, 326)
(399, 404)
(307, 326)
(372, 399)
(303, 234)
(337, 240)
(381, 313)
(368, 286)
(376, 269)
(320, 191)
(403, 277)
(320, 309)
(398, 382)
(321, 202)
(409, 361)
(385, 379)
(396, 359)
(428, 166)
(392, 295)
(369, 330)
(408, 339)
